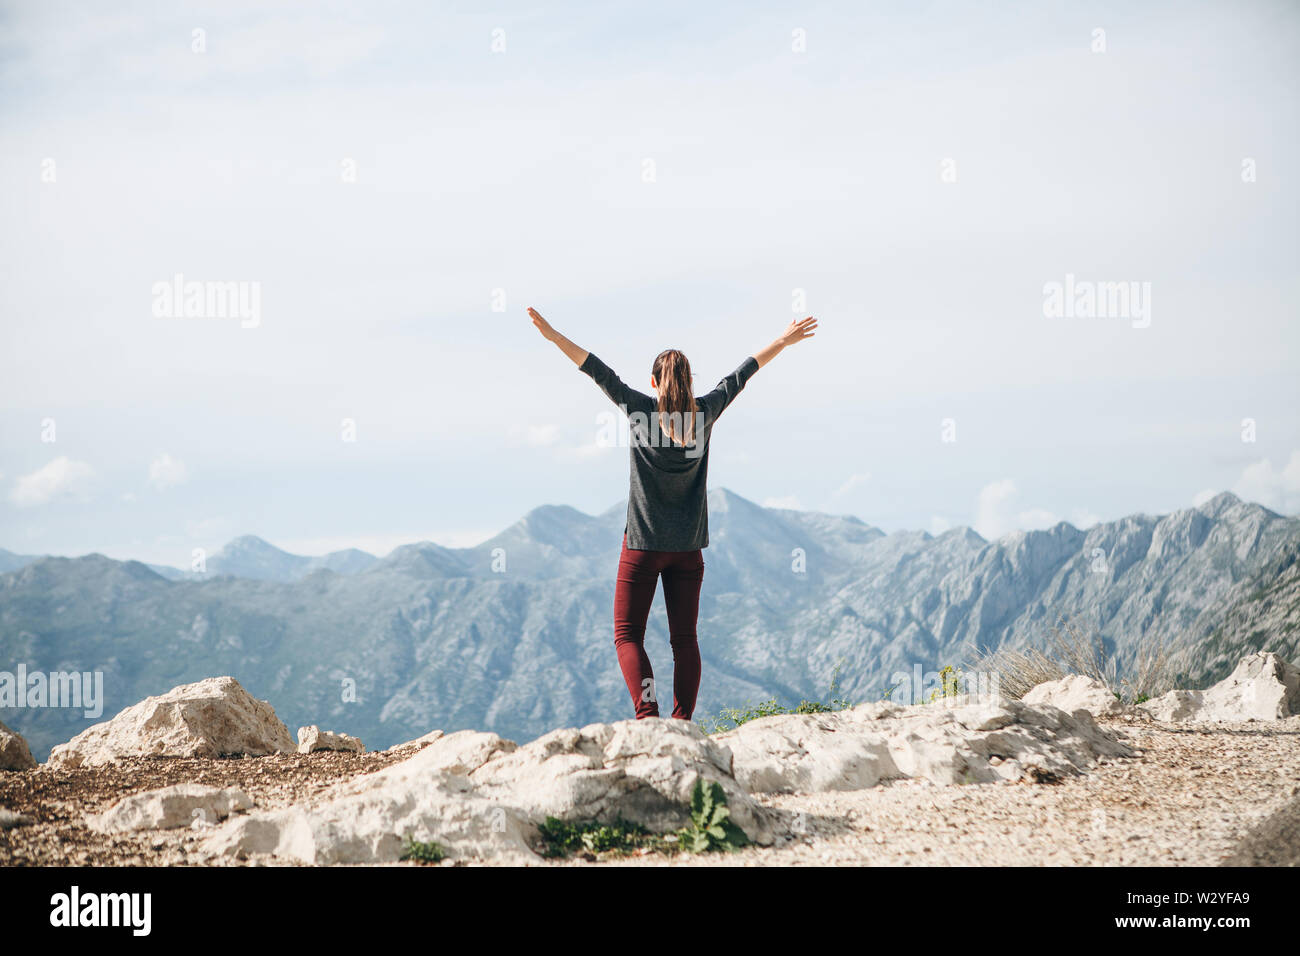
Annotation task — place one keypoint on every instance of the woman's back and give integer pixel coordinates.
(667, 508)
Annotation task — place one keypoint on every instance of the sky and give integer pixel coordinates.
(1052, 248)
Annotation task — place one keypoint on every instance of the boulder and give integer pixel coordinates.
(1077, 692)
(478, 795)
(10, 820)
(959, 740)
(428, 738)
(643, 771)
(1262, 687)
(213, 718)
(371, 820)
(14, 752)
(184, 805)
(312, 739)
(1175, 705)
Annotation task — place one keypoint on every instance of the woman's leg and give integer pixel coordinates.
(682, 579)
(634, 590)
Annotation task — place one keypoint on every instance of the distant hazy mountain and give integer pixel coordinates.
(251, 557)
(244, 557)
(12, 562)
(454, 638)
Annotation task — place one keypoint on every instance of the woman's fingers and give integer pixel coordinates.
(801, 329)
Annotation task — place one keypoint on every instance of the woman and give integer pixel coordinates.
(667, 508)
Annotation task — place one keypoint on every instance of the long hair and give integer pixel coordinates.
(672, 374)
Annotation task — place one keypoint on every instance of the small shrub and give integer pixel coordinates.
(421, 852)
(561, 839)
(949, 684)
(729, 718)
(812, 707)
(1075, 650)
(711, 825)
(711, 829)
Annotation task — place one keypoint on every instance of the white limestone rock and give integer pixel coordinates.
(212, 718)
(183, 805)
(367, 820)
(643, 771)
(1263, 686)
(428, 738)
(1175, 705)
(312, 739)
(14, 752)
(1077, 692)
(480, 796)
(10, 820)
(958, 740)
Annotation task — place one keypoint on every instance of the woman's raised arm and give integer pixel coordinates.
(576, 354)
(795, 332)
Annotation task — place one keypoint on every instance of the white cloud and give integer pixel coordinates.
(939, 524)
(853, 482)
(535, 436)
(209, 528)
(1084, 519)
(540, 435)
(590, 450)
(997, 511)
(166, 471)
(61, 478)
(1278, 489)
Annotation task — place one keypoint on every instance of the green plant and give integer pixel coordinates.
(837, 702)
(620, 837)
(949, 684)
(421, 852)
(729, 718)
(711, 825)
(812, 707)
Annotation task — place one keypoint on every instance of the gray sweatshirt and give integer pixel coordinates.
(667, 505)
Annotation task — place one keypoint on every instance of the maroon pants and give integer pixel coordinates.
(638, 574)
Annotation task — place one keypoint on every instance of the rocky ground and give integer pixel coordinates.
(57, 801)
(1204, 795)
(1194, 794)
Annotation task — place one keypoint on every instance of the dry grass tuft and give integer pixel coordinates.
(1073, 650)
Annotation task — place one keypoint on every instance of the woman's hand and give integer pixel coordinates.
(542, 325)
(794, 332)
(798, 331)
(576, 353)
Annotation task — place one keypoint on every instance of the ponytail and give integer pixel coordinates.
(672, 374)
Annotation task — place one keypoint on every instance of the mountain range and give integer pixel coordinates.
(515, 635)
